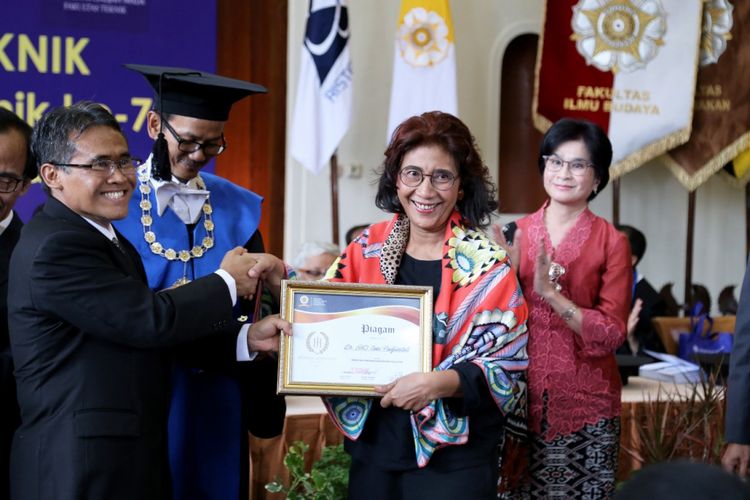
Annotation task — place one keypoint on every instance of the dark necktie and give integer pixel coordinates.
(116, 243)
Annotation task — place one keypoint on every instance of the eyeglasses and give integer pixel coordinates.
(9, 183)
(106, 165)
(577, 167)
(441, 180)
(186, 146)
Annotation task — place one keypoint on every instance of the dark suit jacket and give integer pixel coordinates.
(738, 395)
(653, 305)
(9, 417)
(87, 336)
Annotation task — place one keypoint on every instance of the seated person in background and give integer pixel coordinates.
(314, 259)
(646, 301)
(354, 232)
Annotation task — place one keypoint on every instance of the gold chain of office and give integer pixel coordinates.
(150, 236)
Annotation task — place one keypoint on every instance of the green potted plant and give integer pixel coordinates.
(327, 480)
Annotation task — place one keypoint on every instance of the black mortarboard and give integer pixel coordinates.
(193, 93)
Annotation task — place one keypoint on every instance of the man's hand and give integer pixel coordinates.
(736, 458)
(270, 269)
(263, 336)
(237, 262)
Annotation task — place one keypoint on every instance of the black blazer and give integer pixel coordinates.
(9, 417)
(738, 385)
(88, 339)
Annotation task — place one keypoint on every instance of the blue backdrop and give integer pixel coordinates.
(56, 52)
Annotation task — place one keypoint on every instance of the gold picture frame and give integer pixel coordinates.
(349, 337)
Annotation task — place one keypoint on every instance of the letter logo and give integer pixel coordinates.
(317, 342)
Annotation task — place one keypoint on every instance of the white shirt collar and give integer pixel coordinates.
(109, 231)
(6, 222)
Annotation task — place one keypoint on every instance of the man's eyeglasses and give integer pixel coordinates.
(186, 146)
(106, 165)
(441, 180)
(577, 167)
(9, 183)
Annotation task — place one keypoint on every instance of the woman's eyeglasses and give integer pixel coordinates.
(441, 180)
(554, 163)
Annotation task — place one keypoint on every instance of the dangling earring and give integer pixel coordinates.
(460, 194)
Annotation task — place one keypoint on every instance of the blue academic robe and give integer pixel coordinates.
(207, 436)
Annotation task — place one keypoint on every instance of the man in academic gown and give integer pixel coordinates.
(17, 170)
(89, 337)
(181, 221)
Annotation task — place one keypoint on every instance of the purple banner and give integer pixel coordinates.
(56, 52)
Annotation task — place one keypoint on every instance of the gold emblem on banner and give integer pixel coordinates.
(717, 27)
(423, 38)
(619, 35)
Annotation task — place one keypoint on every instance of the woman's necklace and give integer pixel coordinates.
(170, 253)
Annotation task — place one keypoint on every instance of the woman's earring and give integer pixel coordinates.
(460, 194)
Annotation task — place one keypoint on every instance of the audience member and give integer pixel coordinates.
(181, 223)
(683, 480)
(314, 259)
(576, 273)
(646, 301)
(439, 189)
(17, 170)
(87, 334)
(354, 232)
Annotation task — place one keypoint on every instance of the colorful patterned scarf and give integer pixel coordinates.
(480, 317)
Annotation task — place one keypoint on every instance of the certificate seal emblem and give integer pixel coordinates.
(317, 342)
(304, 300)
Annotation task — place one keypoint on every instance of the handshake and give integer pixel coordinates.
(249, 268)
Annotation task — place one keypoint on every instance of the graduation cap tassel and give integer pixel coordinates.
(161, 169)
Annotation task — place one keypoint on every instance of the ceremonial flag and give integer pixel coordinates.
(424, 67)
(322, 110)
(721, 116)
(627, 65)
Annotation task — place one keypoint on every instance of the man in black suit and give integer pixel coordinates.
(646, 301)
(736, 457)
(17, 169)
(89, 337)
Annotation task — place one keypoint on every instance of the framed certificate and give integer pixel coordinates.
(349, 337)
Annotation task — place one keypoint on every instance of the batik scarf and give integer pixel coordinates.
(480, 317)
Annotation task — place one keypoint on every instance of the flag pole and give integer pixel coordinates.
(616, 201)
(335, 197)
(689, 251)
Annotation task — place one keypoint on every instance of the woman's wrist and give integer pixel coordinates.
(566, 308)
(445, 384)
